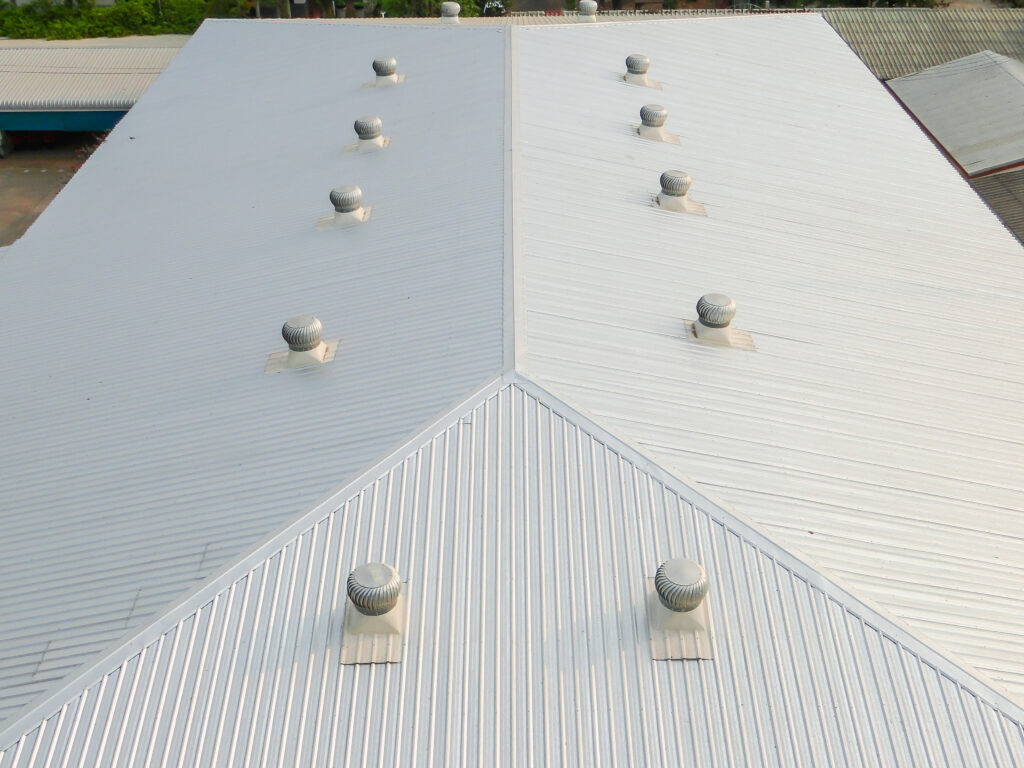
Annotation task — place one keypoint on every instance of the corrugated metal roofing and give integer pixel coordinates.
(525, 535)
(877, 428)
(973, 107)
(79, 78)
(144, 448)
(894, 42)
(1004, 194)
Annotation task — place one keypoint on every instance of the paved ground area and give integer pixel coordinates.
(31, 178)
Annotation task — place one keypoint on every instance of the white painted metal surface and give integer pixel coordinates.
(877, 427)
(141, 451)
(78, 78)
(525, 535)
(974, 107)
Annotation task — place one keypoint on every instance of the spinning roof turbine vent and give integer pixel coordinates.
(587, 10)
(385, 68)
(348, 208)
(373, 588)
(376, 615)
(677, 615)
(450, 12)
(714, 313)
(674, 187)
(653, 115)
(302, 334)
(636, 70)
(681, 584)
(652, 120)
(368, 129)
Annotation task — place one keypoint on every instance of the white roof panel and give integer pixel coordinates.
(524, 534)
(144, 448)
(877, 428)
(974, 108)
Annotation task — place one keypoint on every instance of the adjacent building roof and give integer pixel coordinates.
(525, 534)
(44, 78)
(517, 416)
(1004, 194)
(899, 41)
(973, 107)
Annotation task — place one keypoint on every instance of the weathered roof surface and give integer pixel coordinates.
(898, 41)
(525, 535)
(1004, 194)
(144, 448)
(78, 78)
(877, 428)
(973, 107)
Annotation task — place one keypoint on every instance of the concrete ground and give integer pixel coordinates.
(30, 179)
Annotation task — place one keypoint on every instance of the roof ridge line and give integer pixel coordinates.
(186, 603)
(945, 662)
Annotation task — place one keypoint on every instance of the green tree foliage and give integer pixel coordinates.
(71, 20)
(421, 7)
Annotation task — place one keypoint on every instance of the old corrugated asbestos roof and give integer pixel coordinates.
(894, 42)
(517, 417)
(973, 107)
(44, 78)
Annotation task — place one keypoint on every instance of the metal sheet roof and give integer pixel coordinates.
(1004, 194)
(877, 428)
(973, 107)
(524, 533)
(144, 448)
(881, 441)
(78, 78)
(898, 41)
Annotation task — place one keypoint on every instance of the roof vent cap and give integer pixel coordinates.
(368, 127)
(682, 584)
(588, 10)
(716, 310)
(450, 11)
(302, 333)
(347, 198)
(675, 183)
(653, 115)
(637, 64)
(673, 195)
(385, 67)
(373, 588)
(636, 71)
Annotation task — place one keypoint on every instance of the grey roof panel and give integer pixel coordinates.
(898, 41)
(524, 533)
(973, 107)
(137, 417)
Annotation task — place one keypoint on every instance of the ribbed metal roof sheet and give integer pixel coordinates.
(144, 448)
(78, 78)
(877, 426)
(525, 534)
(973, 107)
(1004, 194)
(894, 42)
